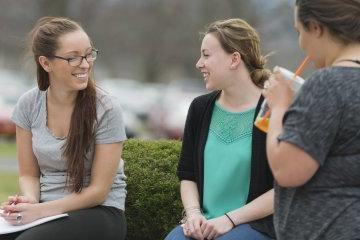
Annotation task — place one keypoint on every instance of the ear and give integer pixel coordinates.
(235, 60)
(317, 28)
(45, 63)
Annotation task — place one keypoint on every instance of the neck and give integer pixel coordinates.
(60, 97)
(240, 96)
(348, 52)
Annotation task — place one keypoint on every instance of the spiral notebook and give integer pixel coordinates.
(6, 228)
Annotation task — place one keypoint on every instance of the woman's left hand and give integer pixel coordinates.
(215, 227)
(277, 91)
(21, 213)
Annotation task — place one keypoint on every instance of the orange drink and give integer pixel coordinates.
(263, 117)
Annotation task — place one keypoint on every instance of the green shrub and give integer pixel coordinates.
(153, 205)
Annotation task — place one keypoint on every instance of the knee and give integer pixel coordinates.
(176, 234)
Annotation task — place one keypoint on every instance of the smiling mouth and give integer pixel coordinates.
(81, 75)
(205, 75)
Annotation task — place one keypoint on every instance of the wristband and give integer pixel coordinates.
(232, 222)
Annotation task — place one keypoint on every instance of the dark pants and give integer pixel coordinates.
(101, 222)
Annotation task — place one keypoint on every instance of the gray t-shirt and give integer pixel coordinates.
(31, 114)
(324, 121)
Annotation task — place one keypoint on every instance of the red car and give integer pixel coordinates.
(7, 127)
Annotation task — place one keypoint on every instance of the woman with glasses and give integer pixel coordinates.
(69, 142)
(313, 143)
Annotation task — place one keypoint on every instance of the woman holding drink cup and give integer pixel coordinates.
(313, 142)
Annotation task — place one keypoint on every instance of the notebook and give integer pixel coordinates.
(5, 227)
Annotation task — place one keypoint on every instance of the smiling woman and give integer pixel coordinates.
(69, 141)
(226, 184)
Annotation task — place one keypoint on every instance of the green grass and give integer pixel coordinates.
(7, 148)
(8, 184)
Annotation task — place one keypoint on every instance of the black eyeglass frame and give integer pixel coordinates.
(82, 58)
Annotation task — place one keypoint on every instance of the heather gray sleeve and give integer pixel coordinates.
(313, 119)
(22, 113)
(110, 127)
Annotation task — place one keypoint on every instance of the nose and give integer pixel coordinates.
(199, 64)
(84, 63)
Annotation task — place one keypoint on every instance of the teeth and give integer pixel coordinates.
(205, 75)
(81, 75)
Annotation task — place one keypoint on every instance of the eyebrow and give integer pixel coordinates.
(74, 51)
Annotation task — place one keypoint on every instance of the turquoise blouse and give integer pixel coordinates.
(227, 161)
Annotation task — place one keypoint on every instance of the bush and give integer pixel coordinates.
(153, 205)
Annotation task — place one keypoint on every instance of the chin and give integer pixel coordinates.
(319, 65)
(82, 86)
(209, 88)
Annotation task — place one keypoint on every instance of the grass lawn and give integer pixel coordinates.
(8, 184)
(7, 148)
(8, 178)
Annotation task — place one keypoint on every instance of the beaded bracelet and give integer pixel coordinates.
(230, 219)
(190, 210)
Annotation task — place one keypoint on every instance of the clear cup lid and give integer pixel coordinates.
(297, 82)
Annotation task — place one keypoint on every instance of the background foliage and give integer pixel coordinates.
(153, 205)
(150, 40)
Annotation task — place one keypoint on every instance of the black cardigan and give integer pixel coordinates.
(191, 164)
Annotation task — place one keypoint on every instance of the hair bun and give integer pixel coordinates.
(260, 75)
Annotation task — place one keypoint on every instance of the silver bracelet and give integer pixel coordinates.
(187, 211)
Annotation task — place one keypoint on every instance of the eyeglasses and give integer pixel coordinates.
(76, 61)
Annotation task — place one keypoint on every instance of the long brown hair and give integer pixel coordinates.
(341, 17)
(236, 35)
(43, 41)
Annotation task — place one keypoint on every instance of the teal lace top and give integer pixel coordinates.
(227, 161)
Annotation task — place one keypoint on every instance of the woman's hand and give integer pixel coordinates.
(20, 199)
(21, 213)
(12, 200)
(215, 227)
(192, 226)
(277, 91)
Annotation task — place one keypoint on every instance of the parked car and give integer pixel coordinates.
(136, 99)
(7, 127)
(12, 86)
(168, 116)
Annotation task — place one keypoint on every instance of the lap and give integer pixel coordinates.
(95, 223)
(177, 234)
(243, 232)
(240, 232)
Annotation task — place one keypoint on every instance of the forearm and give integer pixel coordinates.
(30, 188)
(259, 208)
(89, 197)
(190, 198)
(291, 166)
(272, 144)
(189, 194)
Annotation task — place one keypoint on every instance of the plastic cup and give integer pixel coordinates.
(262, 119)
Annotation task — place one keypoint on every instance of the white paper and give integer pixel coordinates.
(5, 227)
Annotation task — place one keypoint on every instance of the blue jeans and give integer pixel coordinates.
(240, 232)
